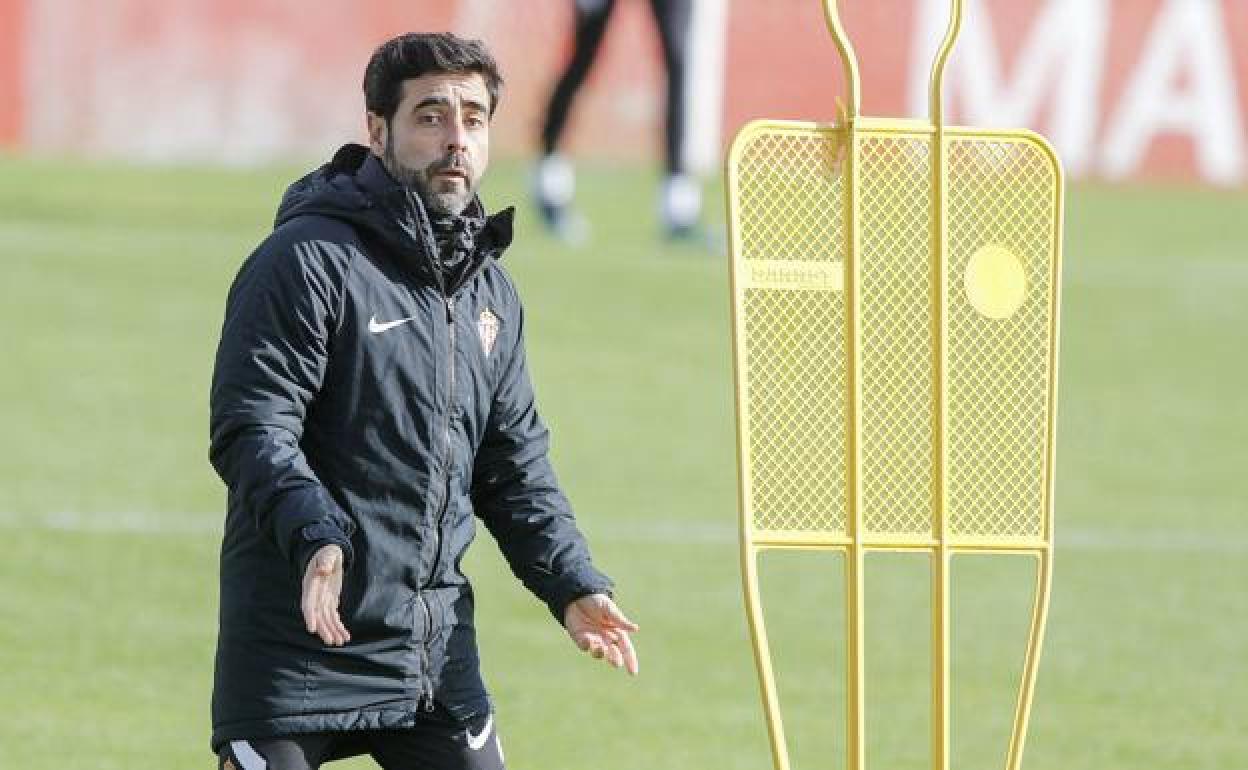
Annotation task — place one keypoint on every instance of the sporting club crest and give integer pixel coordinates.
(487, 329)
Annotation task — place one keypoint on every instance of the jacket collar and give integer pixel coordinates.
(407, 212)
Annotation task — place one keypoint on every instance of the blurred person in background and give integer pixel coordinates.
(680, 199)
(370, 396)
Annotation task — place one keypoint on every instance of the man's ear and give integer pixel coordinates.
(378, 130)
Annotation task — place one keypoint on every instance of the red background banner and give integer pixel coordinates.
(1126, 89)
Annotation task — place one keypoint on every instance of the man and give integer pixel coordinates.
(680, 200)
(370, 396)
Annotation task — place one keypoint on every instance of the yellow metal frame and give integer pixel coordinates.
(812, 210)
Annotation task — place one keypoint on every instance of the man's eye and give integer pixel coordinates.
(474, 121)
(429, 118)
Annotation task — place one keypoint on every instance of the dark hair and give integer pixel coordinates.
(424, 53)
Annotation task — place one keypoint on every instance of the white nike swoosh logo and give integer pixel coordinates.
(476, 742)
(378, 328)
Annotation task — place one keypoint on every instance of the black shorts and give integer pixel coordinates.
(437, 742)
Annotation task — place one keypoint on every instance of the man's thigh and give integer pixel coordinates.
(440, 742)
(297, 752)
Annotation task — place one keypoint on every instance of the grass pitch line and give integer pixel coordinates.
(117, 522)
(693, 533)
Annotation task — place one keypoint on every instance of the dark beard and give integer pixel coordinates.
(417, 180)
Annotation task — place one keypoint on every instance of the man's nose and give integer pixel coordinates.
(456, 135)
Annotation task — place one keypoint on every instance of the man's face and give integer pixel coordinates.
(438, 142)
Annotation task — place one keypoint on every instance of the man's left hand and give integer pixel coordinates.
(599, 628)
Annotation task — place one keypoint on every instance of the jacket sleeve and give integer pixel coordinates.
(269, 367)
(516, 494)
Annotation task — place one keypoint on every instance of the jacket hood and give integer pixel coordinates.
(355, 187)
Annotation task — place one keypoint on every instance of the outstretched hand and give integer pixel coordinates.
(322, 585)
(598, 627)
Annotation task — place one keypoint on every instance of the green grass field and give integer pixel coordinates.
(112, 282)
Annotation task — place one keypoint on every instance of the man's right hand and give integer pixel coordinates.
(322, 585)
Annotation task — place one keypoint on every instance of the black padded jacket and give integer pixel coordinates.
(358, 400)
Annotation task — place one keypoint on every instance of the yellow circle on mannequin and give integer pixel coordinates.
(996, 284)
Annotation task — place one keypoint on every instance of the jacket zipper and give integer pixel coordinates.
(426, 695)
(446, 435)
(425, 702)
